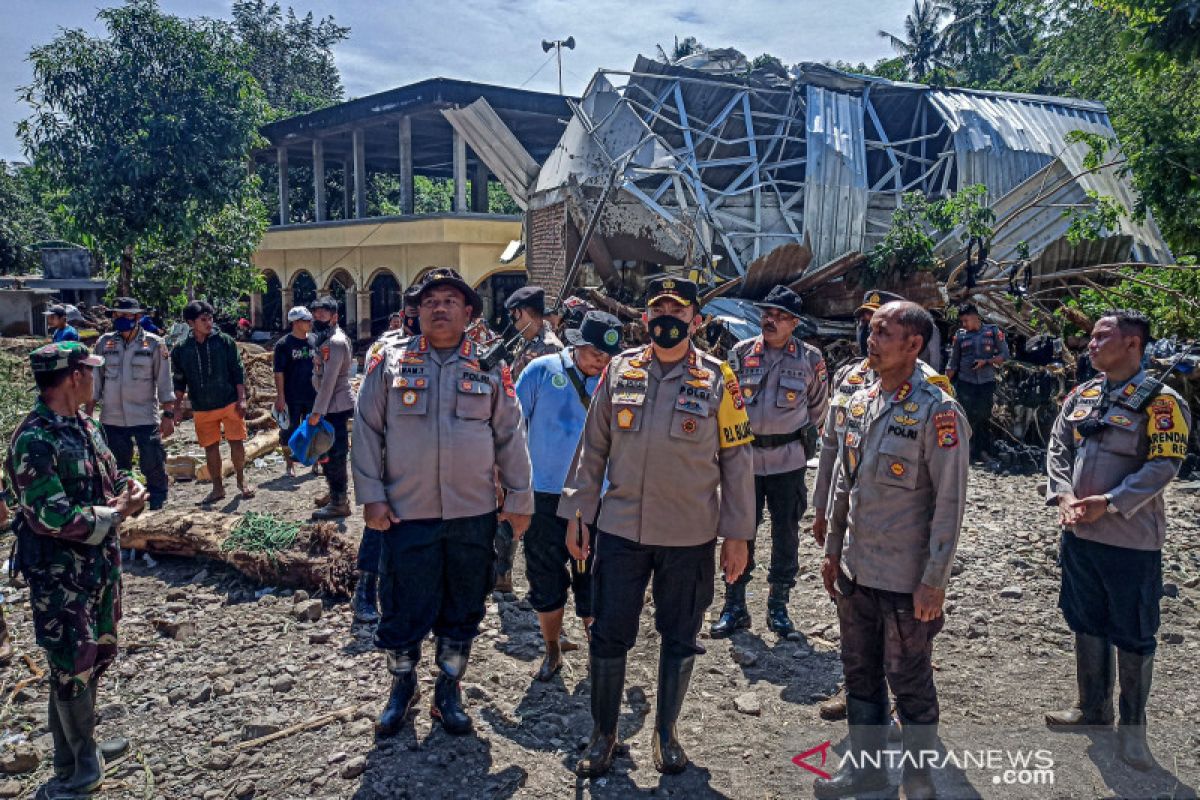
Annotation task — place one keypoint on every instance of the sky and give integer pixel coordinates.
(394, 42)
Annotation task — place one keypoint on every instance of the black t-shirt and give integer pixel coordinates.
(294, 358)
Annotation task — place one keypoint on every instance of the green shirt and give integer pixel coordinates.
(209, 372)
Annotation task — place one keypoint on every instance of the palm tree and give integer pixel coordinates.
(921, 47)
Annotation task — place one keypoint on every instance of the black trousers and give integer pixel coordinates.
(434, 576)
(152, 456)
(786, 497)
(1111, 592)
(504, 545)
(297, 413)
(335, 460)
(551, 571)
(682, 590)
(884, 644)
(977, 400)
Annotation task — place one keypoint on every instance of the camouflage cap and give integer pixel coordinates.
(62, 355)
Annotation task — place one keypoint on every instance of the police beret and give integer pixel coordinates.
(784, 299)
(533, 297)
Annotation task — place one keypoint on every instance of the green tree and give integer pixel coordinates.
(291, 57)
(921, 46)
(145, 131)
(24, 220)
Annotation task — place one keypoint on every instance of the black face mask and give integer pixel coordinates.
(667, 331)
(863, 332)
(321, 327)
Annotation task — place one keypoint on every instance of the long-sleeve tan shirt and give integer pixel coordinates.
(331, 374)
(135, 379)
(432, 430)
(674, 445)
(1132, 456)
(900, 485)
(786, 390)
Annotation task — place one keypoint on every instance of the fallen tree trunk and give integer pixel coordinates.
(321, 559)
(259, 445)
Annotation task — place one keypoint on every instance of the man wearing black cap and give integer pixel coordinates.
(433, 431)
(134, 380)
(527, 309)
(57, 326)
(667, 430)
(977, 351)
(786, 389)
(555, 391)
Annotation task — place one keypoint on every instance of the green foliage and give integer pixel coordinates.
(769, 63)
(430, 196)
(145, 133)
(908, 245)
(1170, 297)
(1094, 221)
(261, 533)
(921, 46)
(685, 47)
(24, 220)
(291, 57)
(17, 392)
(1167, 26)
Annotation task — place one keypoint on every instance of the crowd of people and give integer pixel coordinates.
(623, 469)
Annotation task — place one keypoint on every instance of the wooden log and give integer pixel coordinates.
(258, 446)
(322, 558)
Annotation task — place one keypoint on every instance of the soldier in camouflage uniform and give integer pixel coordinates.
(70, 499)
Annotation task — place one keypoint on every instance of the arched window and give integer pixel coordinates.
(386, 297)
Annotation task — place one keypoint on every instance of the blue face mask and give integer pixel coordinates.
(124, 324)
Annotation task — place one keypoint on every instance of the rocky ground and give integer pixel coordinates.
(210, 663)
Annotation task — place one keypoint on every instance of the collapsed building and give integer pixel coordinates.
(753, 178)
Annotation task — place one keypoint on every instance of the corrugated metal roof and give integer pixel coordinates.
(835, 190)
(496, 146)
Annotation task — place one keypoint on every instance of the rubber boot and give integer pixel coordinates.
(916, 782)
(1094, 673)
(338, 508)
(64, 759)
(78, 720)
(551, 664)
(868, 739)
(504, 583)
(402, 664)
(674, 675)
(1134, 673)
(366, 598)
(447, 707)
(608, 682)
(6, 648)
(734, 616)
(778, 621)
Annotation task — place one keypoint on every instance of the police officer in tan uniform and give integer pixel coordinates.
(898, 500)
(527, 311)
(977, 351)
(432, 430)
(1110, 458)
(668, 428)
(786, 390)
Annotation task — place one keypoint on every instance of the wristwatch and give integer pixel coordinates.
(1110, 508)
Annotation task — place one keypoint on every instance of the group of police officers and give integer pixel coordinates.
(624, 470)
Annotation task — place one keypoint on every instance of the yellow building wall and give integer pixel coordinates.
(471, 245)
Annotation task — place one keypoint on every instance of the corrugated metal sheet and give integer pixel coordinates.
(1000, 141)
(497, 147)
(835, 190)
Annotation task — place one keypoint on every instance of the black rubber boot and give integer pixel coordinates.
(916, 781)
(608, 682)
(366, 598)
(402, 664)
(778, 621)
(1135, 674)
(674, 675)
(447, 707)
(78, 720)
(868, 739)
(551, 664)
(64, 759)
(734, 616)
(1094, 673)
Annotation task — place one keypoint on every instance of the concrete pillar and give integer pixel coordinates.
(479, 189)
(281, 159)
(287, 302)
(360, 174)
(318, 155)
(460, 174)
(256, 319)
(350, 324)
(406, 166)
(347, 179)
(364, 314)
